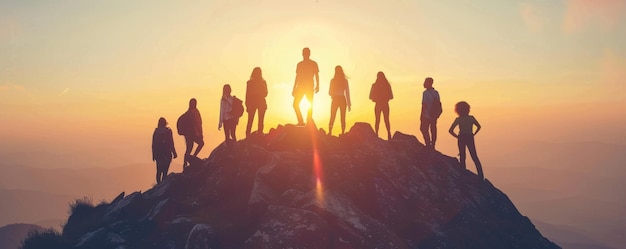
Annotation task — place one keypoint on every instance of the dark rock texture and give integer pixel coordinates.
(296, 187)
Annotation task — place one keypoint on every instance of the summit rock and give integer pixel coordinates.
(297, 187)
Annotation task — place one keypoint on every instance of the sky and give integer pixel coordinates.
(88, 80)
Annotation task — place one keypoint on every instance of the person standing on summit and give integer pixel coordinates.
(306, 73)
(256, 91)
(228, 118)
(431, 110)
(465, 137)
(339, 92)
(190, 126)
(381, 93)
(162, 149)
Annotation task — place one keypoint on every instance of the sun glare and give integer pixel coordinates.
(318, 170)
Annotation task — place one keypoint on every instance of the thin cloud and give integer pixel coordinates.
(585, 14)
(64, 92)
(11, 87)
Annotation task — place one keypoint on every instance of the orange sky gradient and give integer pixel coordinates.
(93, 78)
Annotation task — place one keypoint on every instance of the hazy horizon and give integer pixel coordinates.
(82, 84)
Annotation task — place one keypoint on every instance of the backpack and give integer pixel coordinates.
(237, 107)
(435, 108)
(159, 142)
(184, 125)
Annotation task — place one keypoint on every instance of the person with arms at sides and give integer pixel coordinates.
(381, 93)
(256, 91)
(227, 118)
(339, 92)
(162, 149)
(307, 73)
(465, 137)
(428, 119)
(190, 126)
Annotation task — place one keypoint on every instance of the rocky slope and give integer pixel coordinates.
(296, 187)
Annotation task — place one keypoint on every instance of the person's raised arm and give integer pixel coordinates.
(454, 124)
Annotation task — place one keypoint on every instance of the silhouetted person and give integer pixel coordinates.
(190, 126)
(465, 137)
(428, 121)
(339, 92)
(306, 71)
(227, 118)
(381, 94)
(256, 91)
(162, 149)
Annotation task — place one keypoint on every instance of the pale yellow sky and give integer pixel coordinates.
(96, 77)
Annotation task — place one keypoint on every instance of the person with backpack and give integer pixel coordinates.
(162, 149)
(256, 91)
(231, 108)
(339, 92)
(381, 93)
(465, 137)
(190, 126)
(431, 110)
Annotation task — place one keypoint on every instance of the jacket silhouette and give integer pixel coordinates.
(163, 149)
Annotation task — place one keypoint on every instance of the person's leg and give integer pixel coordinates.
(188, 148)
(387, 124)
(424, 129)
(163, 169)
(158, 172)
(462, 144)
(166, 168)
(333, 112)
(228, 129)
(233, 129)
(251, 112)
(297, 98)
(342, 109)
(226, 133)
(200, 142)
(433, 132)
(377, 112)
(261, 119)
(471, 146)
(309, 115)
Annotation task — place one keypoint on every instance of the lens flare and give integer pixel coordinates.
(317, 168)
(305, 106)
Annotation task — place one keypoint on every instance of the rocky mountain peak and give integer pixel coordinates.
(297, 187)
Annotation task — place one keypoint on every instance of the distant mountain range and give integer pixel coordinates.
(11, 235)
(573, 188)
(33, 194)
